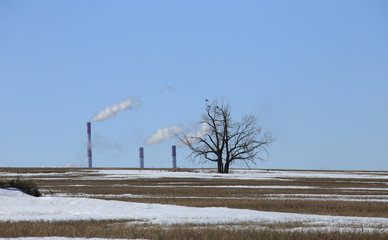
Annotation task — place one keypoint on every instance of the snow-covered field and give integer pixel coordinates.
(241, 174)
(17, 206)
(272, 175)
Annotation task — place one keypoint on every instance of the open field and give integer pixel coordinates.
(120, 229)
(280, 204)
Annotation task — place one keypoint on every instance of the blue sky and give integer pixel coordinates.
(315, 73)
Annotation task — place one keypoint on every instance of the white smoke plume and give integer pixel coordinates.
(163, 134)
(203, 131)
(111, 111)
(200, 133)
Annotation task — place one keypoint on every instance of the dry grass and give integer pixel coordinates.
(27, 186)
(120, 229)
(337, 208)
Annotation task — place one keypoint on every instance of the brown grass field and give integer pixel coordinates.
(323, 196)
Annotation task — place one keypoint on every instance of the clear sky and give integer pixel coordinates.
(315, 73)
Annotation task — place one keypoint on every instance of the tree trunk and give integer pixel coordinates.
(220, 166)
(226, 168)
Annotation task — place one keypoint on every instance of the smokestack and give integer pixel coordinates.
(173, 156)
(89, 149)
(141, 157)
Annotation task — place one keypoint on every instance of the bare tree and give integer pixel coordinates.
(224, 141)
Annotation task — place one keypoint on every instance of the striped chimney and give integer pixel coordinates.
(89, 147)
(141, 157)
(173, 156)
